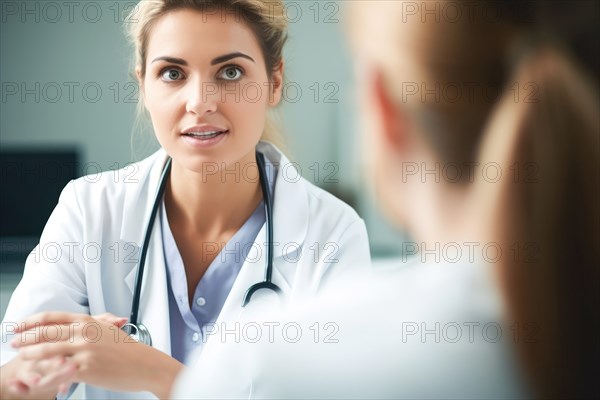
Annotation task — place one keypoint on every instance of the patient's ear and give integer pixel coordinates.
(391, 116)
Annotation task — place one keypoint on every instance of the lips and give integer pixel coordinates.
(204, 136)
(204, 132)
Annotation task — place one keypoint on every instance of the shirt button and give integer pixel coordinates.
(201, 301)
(195, 337)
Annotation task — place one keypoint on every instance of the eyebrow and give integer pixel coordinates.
(218, 60)
(230, 56)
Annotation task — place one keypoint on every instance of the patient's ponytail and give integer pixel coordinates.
(543, 130)
(549, 216)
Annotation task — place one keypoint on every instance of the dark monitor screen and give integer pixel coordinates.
(30, 184)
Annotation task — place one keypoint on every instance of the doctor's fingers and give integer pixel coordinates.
(44, 367)
(57, 380)
(42, 377)
(24, 378)
(52, 333)
(52, 318)
(111, 319)
(43, 351)
(16, 387)
(24, 381)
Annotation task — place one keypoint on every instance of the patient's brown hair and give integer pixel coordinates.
(552, 212)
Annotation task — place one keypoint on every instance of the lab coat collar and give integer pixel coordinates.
(290, 203)
(140, 197)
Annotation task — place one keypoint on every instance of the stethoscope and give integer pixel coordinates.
(138, 330)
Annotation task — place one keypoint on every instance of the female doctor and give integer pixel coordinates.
(207, 188)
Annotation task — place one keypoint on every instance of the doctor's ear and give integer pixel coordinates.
(138, 75)
(391, 117)
(140, 80)
(276, 86)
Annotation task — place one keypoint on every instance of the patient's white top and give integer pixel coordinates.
(400, 330)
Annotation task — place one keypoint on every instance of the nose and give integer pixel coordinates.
(201, 97)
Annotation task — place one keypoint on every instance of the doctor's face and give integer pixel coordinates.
(207, 88)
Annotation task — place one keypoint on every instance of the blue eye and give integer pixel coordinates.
(231, 73)
(170, 74)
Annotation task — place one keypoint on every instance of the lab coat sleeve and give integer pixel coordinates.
(53, 277)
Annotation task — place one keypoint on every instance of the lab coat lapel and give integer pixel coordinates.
(154, 301)
(290, 226)
(290, 204)
(140, 197)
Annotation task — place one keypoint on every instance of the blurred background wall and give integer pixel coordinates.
(66, 85)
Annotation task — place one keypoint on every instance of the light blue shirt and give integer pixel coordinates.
(188, 326)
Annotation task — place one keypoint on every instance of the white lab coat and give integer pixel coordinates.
(87, 257)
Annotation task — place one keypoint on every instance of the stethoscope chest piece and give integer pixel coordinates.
(138, 333)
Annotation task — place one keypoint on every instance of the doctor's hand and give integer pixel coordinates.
(104, 355)
(45, 378)
(37, 379)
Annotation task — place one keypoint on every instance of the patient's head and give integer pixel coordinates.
(482, 126)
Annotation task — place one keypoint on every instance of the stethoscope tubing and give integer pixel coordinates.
(135, 305)
(141, 332)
